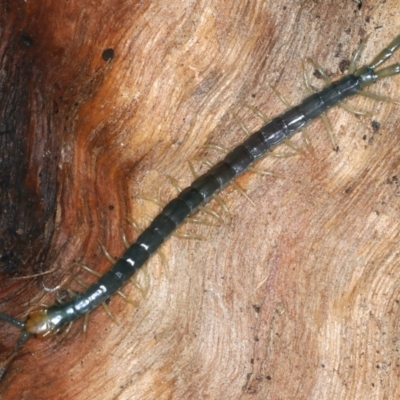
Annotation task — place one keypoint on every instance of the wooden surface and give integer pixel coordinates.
(296, 297)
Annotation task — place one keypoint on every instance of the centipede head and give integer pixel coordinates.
(39, 323)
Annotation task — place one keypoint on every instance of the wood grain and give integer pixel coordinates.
(296, 297)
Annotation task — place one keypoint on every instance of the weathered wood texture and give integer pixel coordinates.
(294, 298)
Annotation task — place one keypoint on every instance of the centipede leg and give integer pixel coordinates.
(287, 142)
(304, 133)
(187, 236)
(196, 220)
(85, 323)
(356, 56)
(66, 331)
(386, 72)
(218, 199)
(154, 200)
(328, 81)
(324, 118)
(98, 275)
(107, 254)
(159, 252)
(103, 304)
(254, 169)
(146, 277)
(378, 97)
(164, 262)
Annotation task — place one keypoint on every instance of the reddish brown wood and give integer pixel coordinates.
(297, 297)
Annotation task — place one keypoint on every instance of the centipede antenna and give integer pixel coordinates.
(13, 321)
(21, 341)
(4, 365)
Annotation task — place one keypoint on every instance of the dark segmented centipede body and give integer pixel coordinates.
(45, 321)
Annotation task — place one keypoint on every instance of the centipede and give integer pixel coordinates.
(46, 321)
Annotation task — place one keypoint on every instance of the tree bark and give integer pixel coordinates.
(294, 297)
